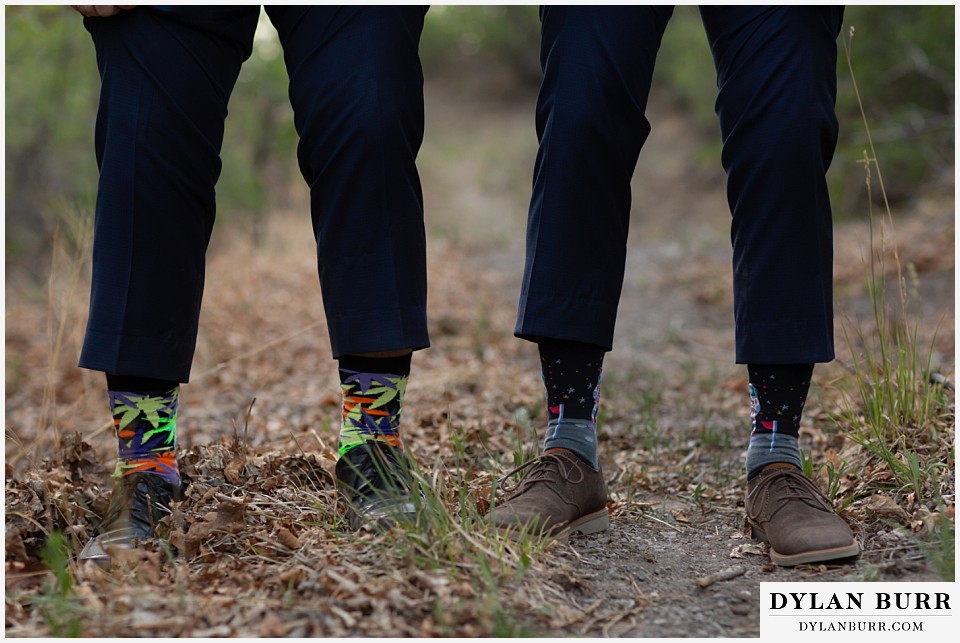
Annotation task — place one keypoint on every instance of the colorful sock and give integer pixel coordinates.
(145, 416)
(572, 372)
(777, 396)
(373, 390)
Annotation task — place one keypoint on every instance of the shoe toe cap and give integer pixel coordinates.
(833, 537)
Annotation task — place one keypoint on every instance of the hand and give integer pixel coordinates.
(101, 10)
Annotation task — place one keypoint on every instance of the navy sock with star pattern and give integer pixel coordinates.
(571, 377)
(777, 396)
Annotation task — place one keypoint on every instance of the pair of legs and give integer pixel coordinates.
(776, 74)
(356, 90)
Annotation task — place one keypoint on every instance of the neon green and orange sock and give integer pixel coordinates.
(373, 389)
(145, 419)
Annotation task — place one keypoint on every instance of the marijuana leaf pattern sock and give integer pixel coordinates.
(572, 372)
(372, 389)
(145, 419)
(777, 396)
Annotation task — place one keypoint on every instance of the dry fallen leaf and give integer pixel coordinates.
(292, 576)
(15, 547)
(885, 506)
(231, 515)
(234, 470)
(752, 549)
(287, 539)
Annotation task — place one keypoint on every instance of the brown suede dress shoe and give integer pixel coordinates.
(785, 509)
(558, 495)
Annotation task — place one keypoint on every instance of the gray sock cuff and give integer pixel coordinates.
(579, 436)
(768, 448)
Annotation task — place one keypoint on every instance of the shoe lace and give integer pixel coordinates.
(550, 468)
(791, 485)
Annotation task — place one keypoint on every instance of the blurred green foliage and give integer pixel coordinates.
(903, 63)
(51, 87)
(503, 37)
(903, 60)
(259, 141)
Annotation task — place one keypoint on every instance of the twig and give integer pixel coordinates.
(230, 500)
(722, 575)
(664, 523)
(619, 617)
(323, 445)
(100, 429)
(584, 613)
(246, 426)
(347, 619)
(343, 583)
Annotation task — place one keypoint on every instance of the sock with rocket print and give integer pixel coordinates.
(777, 396)
(571, 377)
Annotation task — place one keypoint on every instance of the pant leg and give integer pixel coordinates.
(776, 71)
(356, 87)
(597, 64)
(166, 76)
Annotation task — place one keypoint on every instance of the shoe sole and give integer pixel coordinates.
(818, 556)
(815, 556)
(586, 525)
(387, 511)
(589, 524)
(381, 519)
(97, 549)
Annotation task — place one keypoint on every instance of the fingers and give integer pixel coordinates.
(101, 10)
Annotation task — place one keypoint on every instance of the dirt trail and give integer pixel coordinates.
(675, 325)
(672, 437)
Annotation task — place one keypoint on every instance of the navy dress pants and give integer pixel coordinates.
(356, 87)
(776, 74)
